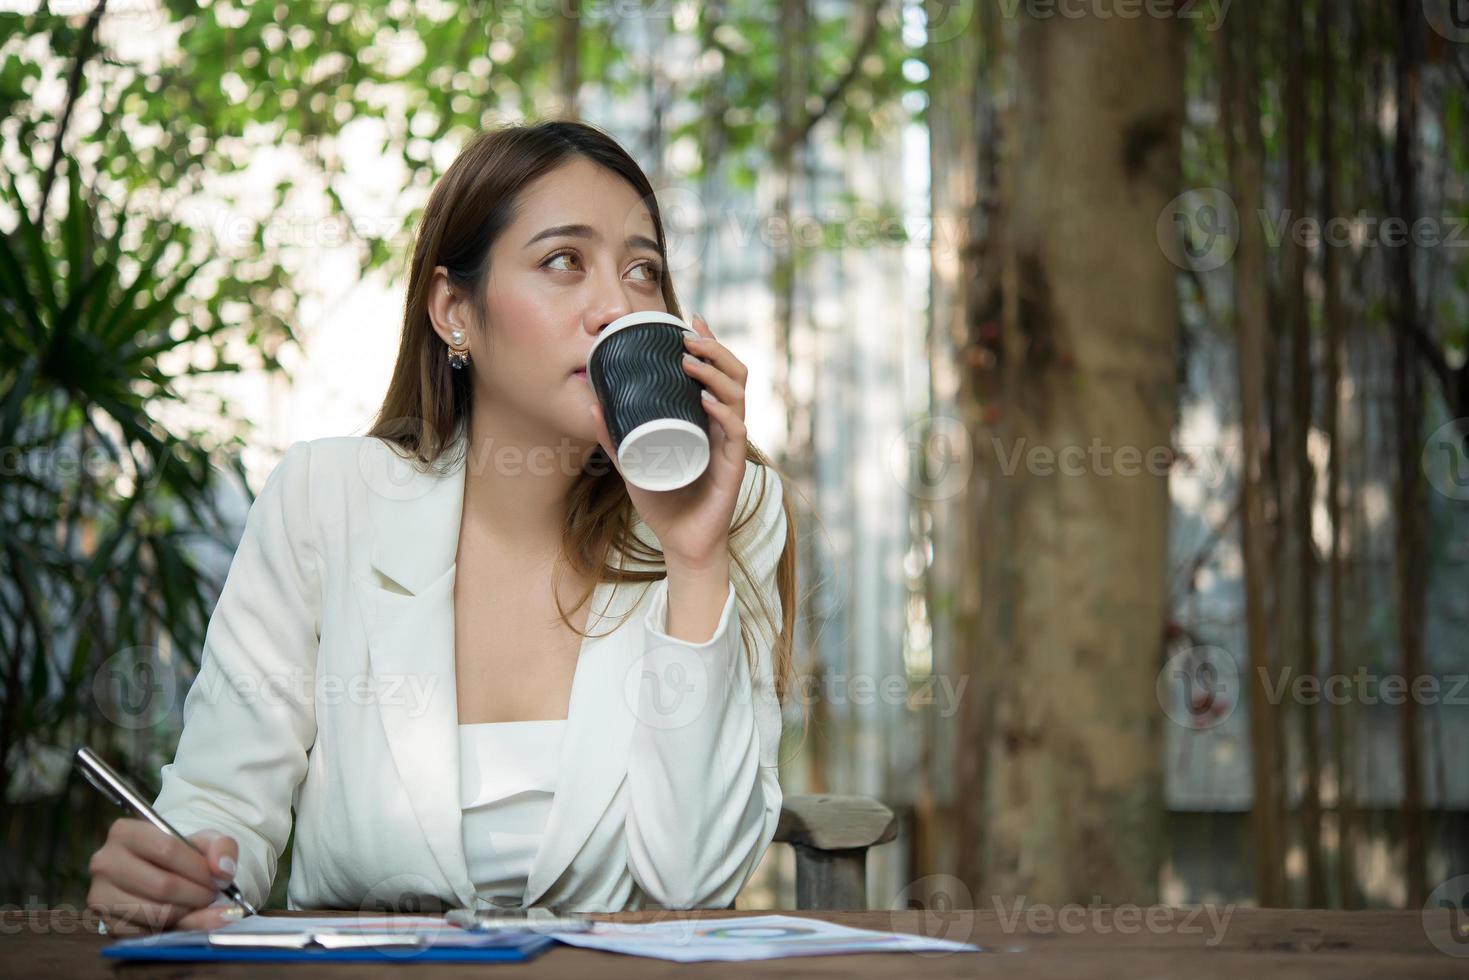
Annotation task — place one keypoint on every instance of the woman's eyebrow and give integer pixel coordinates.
(587, 231)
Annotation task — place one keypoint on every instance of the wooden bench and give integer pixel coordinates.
(831, 835)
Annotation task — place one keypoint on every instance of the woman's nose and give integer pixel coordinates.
(609, 302)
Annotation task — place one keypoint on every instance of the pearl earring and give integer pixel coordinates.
(458, 352)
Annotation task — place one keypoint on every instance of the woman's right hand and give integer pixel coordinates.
(145, 880)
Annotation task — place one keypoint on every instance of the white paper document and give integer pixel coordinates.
(760, 937)
(342, 932)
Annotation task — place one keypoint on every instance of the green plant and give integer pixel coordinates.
(105, 507)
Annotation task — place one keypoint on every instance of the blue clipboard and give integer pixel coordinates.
(195, 947)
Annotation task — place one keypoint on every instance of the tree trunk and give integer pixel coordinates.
(568, 57)
(1333, 312)
(1408, 408)
(1241, 137)
(790, 107)
(961, 169)
(978, 510)
(1303, 484)
(1069, 648)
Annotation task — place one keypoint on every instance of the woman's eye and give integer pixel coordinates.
(652, 271)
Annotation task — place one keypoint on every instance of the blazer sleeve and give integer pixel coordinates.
(249, 716)
(703, 773)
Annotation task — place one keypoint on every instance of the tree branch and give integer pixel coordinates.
(73, 88)
(838, 88)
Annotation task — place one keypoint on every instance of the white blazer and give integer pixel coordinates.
(327, 687)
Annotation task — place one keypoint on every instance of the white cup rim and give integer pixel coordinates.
(631, 319)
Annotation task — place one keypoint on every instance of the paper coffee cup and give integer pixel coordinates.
(653, 408)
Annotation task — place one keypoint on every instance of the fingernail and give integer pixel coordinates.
(705, 393)
(232, 914)
(690, 359)
(227, 865)
(221, 883)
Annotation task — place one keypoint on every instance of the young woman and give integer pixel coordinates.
(468, 662)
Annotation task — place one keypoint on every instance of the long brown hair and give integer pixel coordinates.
(427, 400)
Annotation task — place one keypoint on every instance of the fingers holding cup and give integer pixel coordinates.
(716, 367)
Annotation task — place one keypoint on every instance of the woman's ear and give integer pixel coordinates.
(445, 307)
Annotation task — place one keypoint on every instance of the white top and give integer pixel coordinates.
(507, 778)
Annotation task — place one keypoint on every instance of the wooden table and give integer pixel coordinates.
(1080, 942)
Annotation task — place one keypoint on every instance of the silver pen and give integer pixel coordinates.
(122, 793)
(534, 919)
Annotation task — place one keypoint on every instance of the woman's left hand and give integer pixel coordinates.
(692, 522)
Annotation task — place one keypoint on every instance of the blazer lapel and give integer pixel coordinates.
(415, 520)
(410, 631)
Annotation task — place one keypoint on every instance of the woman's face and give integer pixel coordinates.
(581, 252)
